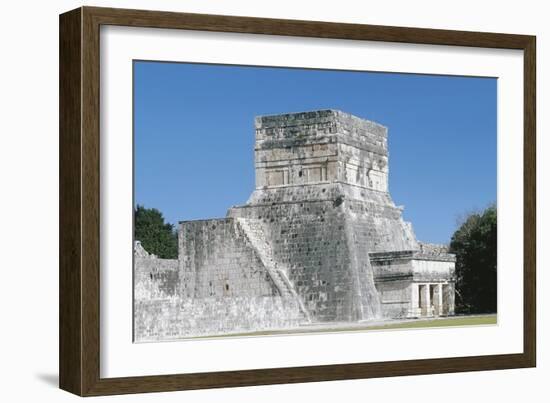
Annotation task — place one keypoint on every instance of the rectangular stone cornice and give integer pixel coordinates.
(201, 220)
(305, 126)
(391, 255)
(319, 116)
(431, 251)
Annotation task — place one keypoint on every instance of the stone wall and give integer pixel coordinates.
(435, 252)
(309, 240)
(218, 287)
(217, 260)
(174, 318)
(395, 298)
(323, 236)
(154, 277)
(320, 146)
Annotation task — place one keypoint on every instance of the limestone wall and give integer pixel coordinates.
(395, 298)
(320, 146)
(433, 262)
(174, 318)
(219, 287)
(154, 277)
(312, 236)
(432, 270)
(217, 260)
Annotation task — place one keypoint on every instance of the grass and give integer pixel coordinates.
(444, 322)
(473, 320)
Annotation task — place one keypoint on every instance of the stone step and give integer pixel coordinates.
(256, 236)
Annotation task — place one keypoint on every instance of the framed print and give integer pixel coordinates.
(230, 214)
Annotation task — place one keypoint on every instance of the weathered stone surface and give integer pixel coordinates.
(322, 196)
(320, 233)
(154, 277)
(400, 277)
(173, 318)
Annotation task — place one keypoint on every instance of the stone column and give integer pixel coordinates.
(451, 299)
(438, 299)
(427, 300)
(414, 311)
(424, 295)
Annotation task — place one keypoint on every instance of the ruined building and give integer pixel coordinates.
(319, 240)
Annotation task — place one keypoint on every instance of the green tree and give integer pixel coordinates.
(155, 235)
(475, 246)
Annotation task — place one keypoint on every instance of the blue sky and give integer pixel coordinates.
(194, 135)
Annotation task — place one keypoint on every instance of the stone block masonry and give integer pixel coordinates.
(319, 240)
(174, 318)
(153, 277)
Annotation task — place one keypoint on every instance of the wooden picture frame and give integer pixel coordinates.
(79, 280)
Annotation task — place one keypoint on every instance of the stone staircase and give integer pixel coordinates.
(256, 236)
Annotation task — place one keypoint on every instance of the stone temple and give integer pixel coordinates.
(319, 241)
